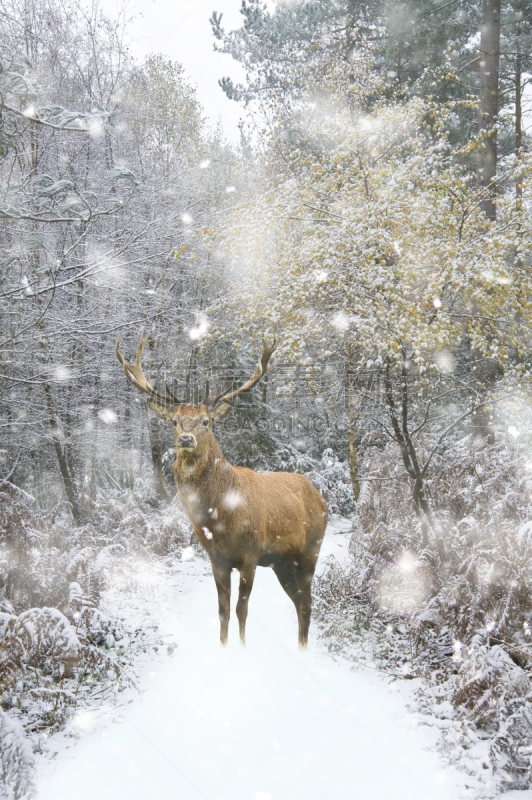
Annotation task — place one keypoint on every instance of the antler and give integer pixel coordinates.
(228, 396)
(135, 375)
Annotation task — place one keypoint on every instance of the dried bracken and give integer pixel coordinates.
(462, 622)
(55, 654)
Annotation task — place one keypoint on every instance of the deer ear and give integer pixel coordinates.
(221, 411)
(165, 412)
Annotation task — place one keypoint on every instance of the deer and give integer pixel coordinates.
(243, 519)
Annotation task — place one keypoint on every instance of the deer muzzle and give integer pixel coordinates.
(186, 442)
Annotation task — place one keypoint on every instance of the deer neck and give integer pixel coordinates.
(202, 485)
(203, 473)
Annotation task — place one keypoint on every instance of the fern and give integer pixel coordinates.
(462, 621)
(16, 761)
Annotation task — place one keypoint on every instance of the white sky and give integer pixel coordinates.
(181, 30)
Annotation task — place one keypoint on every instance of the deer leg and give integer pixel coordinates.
(247, 576)
(303, 609)
(296, 580)
(304, 574)
(222, 577)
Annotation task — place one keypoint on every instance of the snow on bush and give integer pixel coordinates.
(457, 614)
(16, 760)
(332, 479)
(58, 646)
(41, 553)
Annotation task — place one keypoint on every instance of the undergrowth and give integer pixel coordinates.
(60, 651)
(457, 616)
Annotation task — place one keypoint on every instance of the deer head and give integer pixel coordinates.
(192, 423)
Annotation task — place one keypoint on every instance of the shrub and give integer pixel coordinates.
(457, 613)
(16, 760)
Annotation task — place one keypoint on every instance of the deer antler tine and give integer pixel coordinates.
(213, 401)
(274, 345)
(140, 348)
(269, 348)
(136, 376)
(260, 370)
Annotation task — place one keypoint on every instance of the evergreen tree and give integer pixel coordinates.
(418, 48)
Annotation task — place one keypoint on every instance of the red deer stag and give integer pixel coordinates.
(243, 519)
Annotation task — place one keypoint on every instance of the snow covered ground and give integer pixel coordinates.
(261, 723)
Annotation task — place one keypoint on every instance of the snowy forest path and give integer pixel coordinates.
(262, 723)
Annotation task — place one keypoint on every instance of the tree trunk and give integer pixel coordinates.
(518, 129)
(64, 468)
(489, 100)
(353, 461)
(156, 459)
(156, 447)
(352, 418)
(399, 419)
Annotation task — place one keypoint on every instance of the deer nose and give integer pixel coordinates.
(186, 440)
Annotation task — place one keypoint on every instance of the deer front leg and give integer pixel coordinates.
(247, 576)
(222, 577)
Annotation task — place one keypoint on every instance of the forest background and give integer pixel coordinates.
(376, 214)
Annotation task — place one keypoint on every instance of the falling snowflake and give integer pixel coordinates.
(187, 554)
(201, 328)
(320, 276)
(340, 321)
(96, 127)
(232, 499)
(108, 416)
(61, 373)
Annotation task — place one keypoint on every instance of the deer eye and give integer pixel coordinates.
(174, 422)
(206, 422)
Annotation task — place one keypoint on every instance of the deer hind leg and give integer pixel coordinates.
(296, 577)
(304, 576)
(303, 611)
(222, 577)
(247, 576)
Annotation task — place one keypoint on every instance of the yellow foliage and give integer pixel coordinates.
(356, 256)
